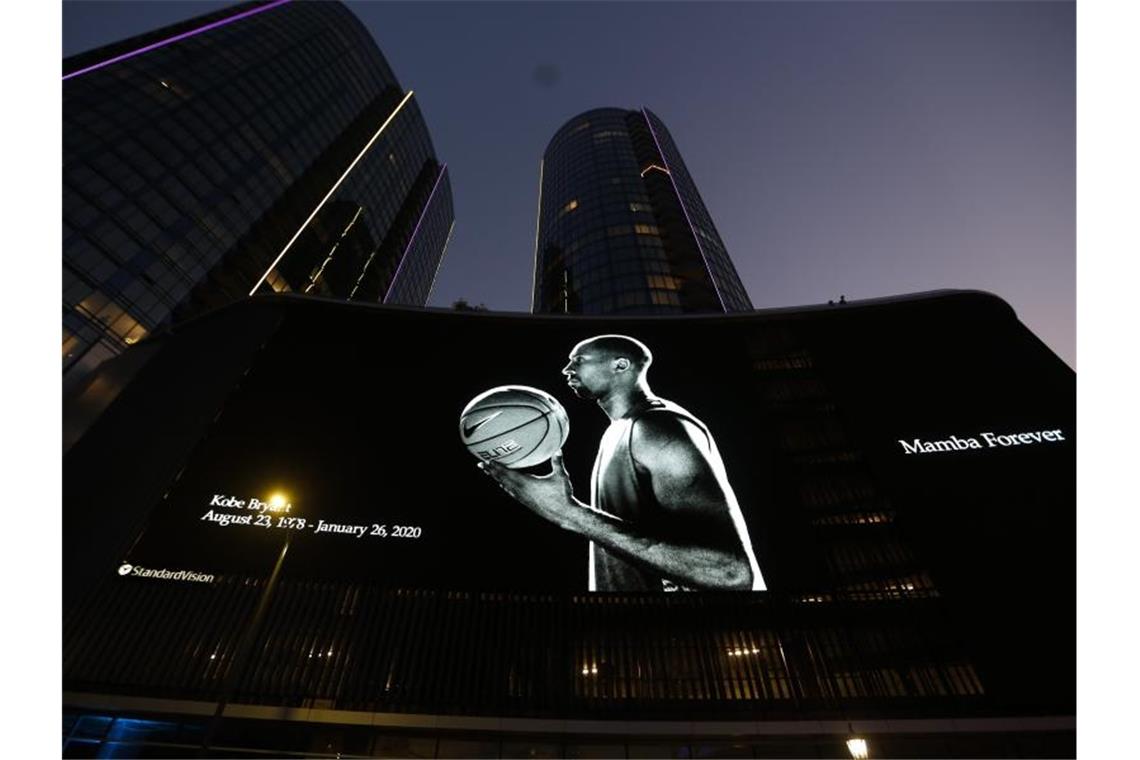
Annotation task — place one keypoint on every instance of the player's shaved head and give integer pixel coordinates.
(610, 369)
(618, 346)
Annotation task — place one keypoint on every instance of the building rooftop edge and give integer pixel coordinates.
(309, 301)
(83, 60)
(566, 124)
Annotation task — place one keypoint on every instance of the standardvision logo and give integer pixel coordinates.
(164, 574)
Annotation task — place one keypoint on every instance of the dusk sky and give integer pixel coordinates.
(858, 148)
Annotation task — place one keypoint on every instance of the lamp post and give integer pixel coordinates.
(241, 653)
(858, 748)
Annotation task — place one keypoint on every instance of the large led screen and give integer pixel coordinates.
(435, 450)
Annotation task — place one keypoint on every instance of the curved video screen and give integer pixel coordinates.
(483, 452)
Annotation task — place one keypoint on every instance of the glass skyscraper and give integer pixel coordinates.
(267, 147)
(621, 226)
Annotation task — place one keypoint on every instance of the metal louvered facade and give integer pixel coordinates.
(357, 647)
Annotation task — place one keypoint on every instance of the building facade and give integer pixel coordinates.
(622, 228)
(905, 467)
(267, 147)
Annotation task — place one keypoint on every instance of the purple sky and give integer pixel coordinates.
(860, 148)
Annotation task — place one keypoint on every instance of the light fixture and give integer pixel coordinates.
(175, 38)
(332, 190)
(681, 203)
(858, 748)
(415, 231)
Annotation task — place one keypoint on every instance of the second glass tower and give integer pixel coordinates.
(621, 226)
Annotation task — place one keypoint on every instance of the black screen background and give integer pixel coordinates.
(366, 431)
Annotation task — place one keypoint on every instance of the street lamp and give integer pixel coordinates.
(238, 664)
(858, 748)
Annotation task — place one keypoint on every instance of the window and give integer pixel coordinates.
(568, 208)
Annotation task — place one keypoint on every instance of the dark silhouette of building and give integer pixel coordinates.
(266, 147)
(621, 226)
(921, 588)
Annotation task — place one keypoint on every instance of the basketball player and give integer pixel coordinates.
(662, 515)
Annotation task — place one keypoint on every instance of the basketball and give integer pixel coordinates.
(514, 425)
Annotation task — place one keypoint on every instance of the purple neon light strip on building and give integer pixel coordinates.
(696, 237)
(176, 38)
(415, 231)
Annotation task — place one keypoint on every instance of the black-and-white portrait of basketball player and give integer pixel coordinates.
(661, 513)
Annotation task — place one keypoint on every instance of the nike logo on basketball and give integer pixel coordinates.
(468, 430)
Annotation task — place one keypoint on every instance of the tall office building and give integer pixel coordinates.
(621, 226)
(265, 147)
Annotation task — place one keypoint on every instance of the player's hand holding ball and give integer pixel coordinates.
(512, 427)
(549, 496)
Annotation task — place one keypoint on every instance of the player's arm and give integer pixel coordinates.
(695, 542)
